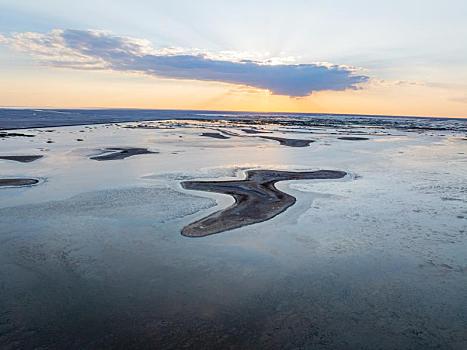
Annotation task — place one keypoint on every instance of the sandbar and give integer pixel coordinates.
(255, 131)
(121, 153)
(289, 142)
(215, 135)
(353, 138)
(256, 199)
(22, 159)
(18, 182)
(14, 134)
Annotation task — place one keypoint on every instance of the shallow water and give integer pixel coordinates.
(92, 257)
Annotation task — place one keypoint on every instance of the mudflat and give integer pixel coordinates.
(256, 199)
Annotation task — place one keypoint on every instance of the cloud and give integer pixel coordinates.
(90, 49)
(396, 83)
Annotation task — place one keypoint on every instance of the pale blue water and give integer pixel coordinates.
(93, 258)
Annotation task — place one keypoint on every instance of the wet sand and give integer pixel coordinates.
(353, 138)
(149, 127)
(215, 135)
(121, 153)
(229, 133)
(18, 182)
(256, 199)
(255, 131)
(289, 142)
(282, 140)
(22, 159)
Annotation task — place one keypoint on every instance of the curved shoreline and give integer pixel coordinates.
(256, 199)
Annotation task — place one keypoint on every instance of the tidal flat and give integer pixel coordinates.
(373, 257)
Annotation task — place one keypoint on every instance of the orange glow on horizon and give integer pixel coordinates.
(71, 89)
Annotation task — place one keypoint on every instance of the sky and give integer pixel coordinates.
(361, 57)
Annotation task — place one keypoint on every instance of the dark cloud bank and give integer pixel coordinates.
(87, 49)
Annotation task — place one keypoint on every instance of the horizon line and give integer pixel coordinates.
(230, 111)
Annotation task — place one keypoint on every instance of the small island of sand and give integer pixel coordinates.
(116, 153)
(256, 199)
(22, 159)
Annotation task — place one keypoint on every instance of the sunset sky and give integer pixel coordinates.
(371, 57)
